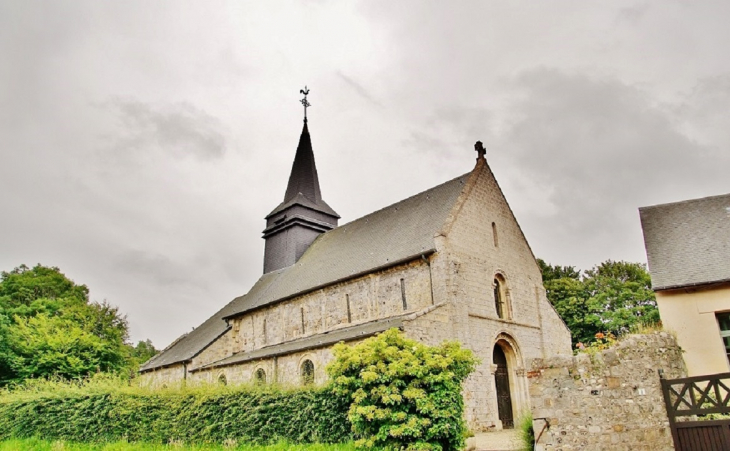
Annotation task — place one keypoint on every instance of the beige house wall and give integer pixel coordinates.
(690, 313)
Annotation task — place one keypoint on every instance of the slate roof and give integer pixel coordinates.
(688, 243)
(397, 233)
(315, 341)
(303, 187)
(193, 343)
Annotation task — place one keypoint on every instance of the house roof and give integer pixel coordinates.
(688, 243)
(395, 234)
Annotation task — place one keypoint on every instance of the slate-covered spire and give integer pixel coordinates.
(303, 178)
(303, 186)
(295, 223)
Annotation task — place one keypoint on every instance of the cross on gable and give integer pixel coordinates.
(481, 151)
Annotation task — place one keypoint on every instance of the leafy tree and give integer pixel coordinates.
(610, 297)
(572, 303)
(142, 352)
(45, 345)
(622, 292)
(550, 272)
(405, 395)
(48, 327)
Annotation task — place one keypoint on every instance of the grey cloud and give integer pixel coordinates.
(704, 114)
(359, 89)
(453, 131)
(632, 14)
(157, 268)
(577, 155)
(601, 133)
(603, 149)
(179, 129)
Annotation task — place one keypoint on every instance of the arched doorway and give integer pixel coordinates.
(501, 381)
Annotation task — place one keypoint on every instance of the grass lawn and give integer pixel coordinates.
(47, 445)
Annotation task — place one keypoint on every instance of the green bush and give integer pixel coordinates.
(110, 411)
(405, 395)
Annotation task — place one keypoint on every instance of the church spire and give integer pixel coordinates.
(295, 223)
(303, 178)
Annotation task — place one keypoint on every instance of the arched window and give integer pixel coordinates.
(498, 302)
(259, 377)
(307, 371)
(501, 297)
(222, 379)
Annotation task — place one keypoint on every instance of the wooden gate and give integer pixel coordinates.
(688, 401)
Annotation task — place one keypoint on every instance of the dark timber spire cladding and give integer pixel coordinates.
(303, 215)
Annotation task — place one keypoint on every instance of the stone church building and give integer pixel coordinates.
(450, 263)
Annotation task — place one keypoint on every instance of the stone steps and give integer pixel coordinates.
(505, 440)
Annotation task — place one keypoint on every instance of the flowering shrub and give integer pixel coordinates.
(405, 395)
(603, 341)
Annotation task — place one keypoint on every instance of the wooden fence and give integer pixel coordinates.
(693, 403)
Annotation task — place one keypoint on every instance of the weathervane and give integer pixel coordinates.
(304, 101)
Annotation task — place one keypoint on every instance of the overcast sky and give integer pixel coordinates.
(142, 143)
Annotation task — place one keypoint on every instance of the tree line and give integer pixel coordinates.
(48, 327)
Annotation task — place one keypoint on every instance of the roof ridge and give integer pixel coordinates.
(686, 201)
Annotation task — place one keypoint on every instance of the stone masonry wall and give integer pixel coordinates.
(163, 376)
(371, 297)
(285, 370)
(483, 241)
(607, 399)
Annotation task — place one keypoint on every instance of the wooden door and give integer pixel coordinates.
(501, 381)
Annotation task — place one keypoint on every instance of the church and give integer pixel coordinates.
(450, 263)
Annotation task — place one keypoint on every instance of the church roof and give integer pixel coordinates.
(313, 341)
(195, 342)
(395, 234)
(688, 243)
(303, 186)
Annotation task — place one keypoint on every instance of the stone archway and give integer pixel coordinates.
(509, 380)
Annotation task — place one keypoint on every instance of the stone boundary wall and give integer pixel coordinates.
(610, 399)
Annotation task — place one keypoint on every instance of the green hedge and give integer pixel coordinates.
(202, 415)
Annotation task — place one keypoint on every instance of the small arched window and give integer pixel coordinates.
(259, 377)
(307, 372)
(498, 301)
(222, 379)
(501, 297)
(494, 235)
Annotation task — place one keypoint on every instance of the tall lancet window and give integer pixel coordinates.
(499, 297)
